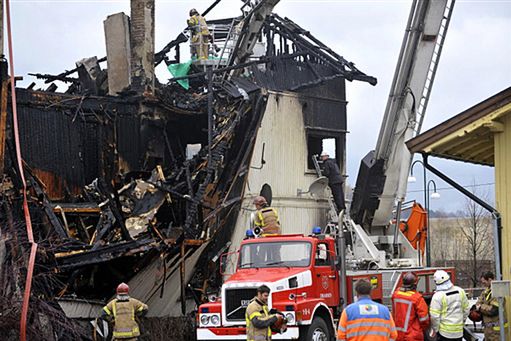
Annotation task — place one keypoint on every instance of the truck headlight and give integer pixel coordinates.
(204, 320)
(215, 320)
(290, 317)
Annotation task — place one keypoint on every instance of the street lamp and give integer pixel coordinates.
(413, 179)
(434, 195)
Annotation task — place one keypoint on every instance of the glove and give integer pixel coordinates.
(274, 311)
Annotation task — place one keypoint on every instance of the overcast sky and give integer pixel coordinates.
(49, 36)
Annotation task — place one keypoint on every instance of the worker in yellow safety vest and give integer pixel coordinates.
(199, 41)
(267, 218)
(448, 309)
(488, 306)
(123, 311)
(258, 318)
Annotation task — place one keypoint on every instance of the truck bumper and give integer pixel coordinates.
(218, 334)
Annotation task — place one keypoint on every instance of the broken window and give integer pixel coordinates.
(318, 142)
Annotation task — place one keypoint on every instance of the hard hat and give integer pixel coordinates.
(324, 153)
(279, 324)
(475, 315)
(409, 280)
(441, 277)
(123, 288)
(193, 11)
(260, 201)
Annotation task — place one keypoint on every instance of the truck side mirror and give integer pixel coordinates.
(228, 259)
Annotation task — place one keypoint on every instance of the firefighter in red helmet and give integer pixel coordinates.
(410, 311)
(122, 311)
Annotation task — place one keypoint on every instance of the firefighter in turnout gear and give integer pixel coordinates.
(448, 309)
(199, 41)
(266, 218)
(366, 320)
(122, 311)
(409, 310)
(488, 306)
(258, 317)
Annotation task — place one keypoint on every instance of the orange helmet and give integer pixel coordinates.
(123, 288)
(409, 280)
(260, 201)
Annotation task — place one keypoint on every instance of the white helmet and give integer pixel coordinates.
(324, 153)
(441, 276)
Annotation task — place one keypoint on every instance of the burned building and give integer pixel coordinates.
(113, 190)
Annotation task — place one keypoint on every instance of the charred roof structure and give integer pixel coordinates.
(114, 191)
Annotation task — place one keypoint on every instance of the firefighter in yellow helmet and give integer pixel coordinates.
(123, 311)
(199, 42)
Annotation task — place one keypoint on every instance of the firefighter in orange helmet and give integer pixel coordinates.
(122, 311)
(410, 311)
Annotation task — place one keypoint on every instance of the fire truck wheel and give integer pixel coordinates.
(317, 331)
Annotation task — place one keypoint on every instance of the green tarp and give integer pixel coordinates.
(179, 70)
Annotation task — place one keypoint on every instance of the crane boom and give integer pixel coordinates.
(383, 174)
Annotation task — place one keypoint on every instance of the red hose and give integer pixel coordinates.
(28, 221)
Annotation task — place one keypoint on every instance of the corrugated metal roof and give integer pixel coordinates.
(467, 136)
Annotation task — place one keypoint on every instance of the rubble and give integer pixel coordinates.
(112, 193)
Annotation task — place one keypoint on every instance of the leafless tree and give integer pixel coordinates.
(475, 228)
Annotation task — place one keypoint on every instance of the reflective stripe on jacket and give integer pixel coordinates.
(448, 310)
(366, 320)
(410, 313)
(268, 219)
(123, 313)
(198, 25)
(489, 310)
(260, 311)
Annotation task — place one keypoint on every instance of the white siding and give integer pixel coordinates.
(283, 134)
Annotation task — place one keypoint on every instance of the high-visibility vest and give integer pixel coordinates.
(123, 313)
(366, 320)
(410, 313)
(448, 310)
(490, 317)
(268, 219)
(198, 24)
(256, 309)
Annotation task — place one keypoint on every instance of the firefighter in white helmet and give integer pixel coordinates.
(449, 308)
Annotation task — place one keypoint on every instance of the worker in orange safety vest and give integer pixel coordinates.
(123, 310)
(410, 311)
(366, 320)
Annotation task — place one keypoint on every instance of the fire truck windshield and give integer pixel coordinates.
(275, 254)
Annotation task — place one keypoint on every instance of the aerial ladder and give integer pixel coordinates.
(383, 173)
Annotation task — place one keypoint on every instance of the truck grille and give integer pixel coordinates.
(236, 298)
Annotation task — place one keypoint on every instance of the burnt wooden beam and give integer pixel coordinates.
(66, 260)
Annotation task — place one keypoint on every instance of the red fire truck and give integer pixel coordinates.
(306, 285)
(311, 277)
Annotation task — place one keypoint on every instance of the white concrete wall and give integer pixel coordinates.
(282, 132)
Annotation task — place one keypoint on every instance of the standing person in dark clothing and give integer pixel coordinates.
(330, 169)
